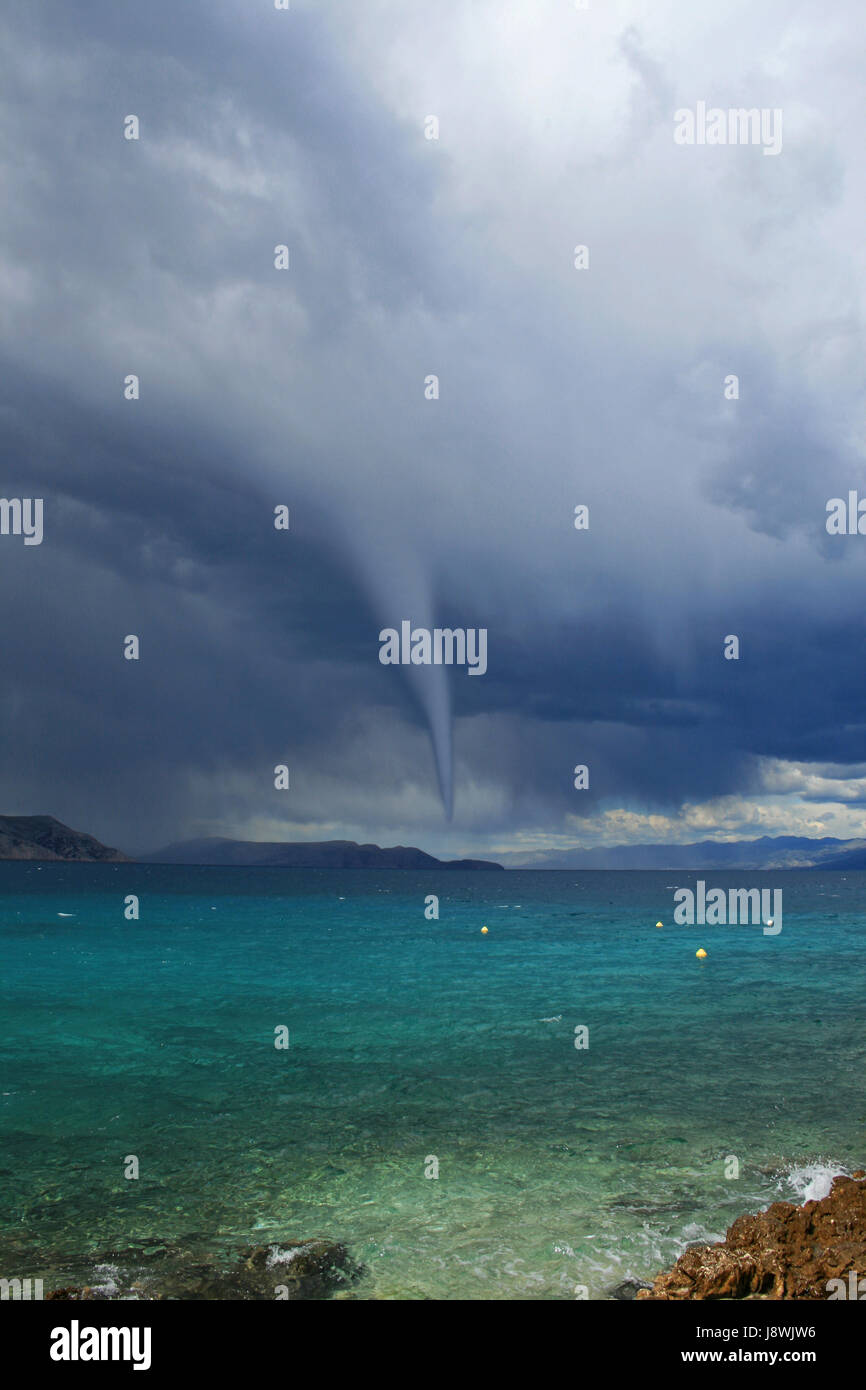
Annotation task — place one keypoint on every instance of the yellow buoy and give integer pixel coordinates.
(701, 954)
(658, 924)
(483, 931)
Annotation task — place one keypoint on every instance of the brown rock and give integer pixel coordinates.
(784, 1252)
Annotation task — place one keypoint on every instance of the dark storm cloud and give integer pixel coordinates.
(411, 257)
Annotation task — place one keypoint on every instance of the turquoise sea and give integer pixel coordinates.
(412, 1040)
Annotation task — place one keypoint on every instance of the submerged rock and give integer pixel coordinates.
(296, 1269)
(292, 1269)
(787, 1251)
(628, 1289)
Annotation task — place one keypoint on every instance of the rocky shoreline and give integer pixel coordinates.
(785, 1252)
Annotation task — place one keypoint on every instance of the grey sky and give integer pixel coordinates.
(305, 387)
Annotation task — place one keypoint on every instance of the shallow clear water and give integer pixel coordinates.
(411, 1038)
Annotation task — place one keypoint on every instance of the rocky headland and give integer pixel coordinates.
(320, 854)
(43, 837)
(787, 1251)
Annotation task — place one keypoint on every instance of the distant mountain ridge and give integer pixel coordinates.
(47, 839)
(768, 852)
(43, 837)
(320, 854)
(851, 859)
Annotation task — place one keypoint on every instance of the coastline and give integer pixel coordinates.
(815, 1251)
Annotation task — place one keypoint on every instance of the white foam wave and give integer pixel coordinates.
(277, 1256)
(812, 1181)
(108, 1282)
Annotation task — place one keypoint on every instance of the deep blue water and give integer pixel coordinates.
(412, 1040)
